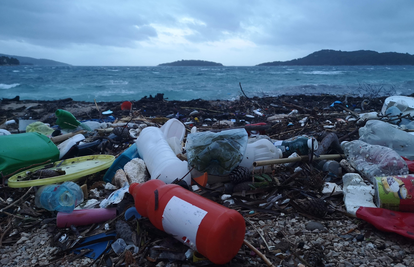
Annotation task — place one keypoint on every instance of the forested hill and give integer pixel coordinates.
(36, 61)
(191, 63)
(8, 61)
(361, 57)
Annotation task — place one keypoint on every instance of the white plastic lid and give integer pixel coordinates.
(315, 143)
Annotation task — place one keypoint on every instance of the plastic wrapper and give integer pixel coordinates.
(216, 153)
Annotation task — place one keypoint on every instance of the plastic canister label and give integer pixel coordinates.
(182, 219)
(395, 192)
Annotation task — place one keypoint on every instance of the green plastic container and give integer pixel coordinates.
(22, 150)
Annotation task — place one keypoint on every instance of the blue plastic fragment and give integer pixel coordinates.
(97, 248)
(336, 102)
(132, 213)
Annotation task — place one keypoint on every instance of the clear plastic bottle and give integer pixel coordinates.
(64, 197)
(373, 160)
(394, 113)
(381, 133)
(298, 144)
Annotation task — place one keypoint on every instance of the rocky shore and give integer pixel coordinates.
(304, 227)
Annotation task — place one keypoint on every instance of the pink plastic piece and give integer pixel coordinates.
(84, 217)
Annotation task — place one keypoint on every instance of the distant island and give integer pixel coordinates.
(35, 61)
(336, 58)
(8, 61)
(191, 63)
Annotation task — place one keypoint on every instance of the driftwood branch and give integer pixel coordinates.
(243, 91)
(266, 260)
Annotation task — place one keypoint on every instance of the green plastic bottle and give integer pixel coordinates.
(22, 150)
(66, 120)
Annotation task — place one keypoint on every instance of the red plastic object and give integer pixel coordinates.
(84, 217)
(202, 180)
(388, 220)
(259, 127)
(410, 164)
(126, 105)
(213, 230)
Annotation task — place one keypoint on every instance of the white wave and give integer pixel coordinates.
(321, 72)
(16, 70)
(115, 92)
(8, 86)
(117, 82)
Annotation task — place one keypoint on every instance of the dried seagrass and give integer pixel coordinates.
(122, 132)
(45, 173)
(240, 174)
(315, 207)
(315, 256)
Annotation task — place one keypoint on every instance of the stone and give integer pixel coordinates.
(136, 171)
(312, 225)
(4, 261)
(360, 237)
(120, 178)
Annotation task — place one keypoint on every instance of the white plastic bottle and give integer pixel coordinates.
(161, 161)
(377, 132)
(174, 131)
(262, 149)
(373, 160)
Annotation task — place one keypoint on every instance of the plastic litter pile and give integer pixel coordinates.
(136, 190)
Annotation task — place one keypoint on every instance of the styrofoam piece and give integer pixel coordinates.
(357, 193)
(23, 124)
(404, 103)
(328, 188)
(65, 146)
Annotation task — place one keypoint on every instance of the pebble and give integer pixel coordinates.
(312, 225)
(379, 250)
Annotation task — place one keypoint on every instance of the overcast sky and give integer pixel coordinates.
(234, 33)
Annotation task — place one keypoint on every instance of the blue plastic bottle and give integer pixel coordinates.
(64, 197)
(120, 162)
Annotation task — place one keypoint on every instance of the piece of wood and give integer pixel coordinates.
(294, 159)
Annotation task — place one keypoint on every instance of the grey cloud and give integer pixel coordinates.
(272, 25)
(336, 24)
(53, 23)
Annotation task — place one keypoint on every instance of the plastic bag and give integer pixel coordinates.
(216, 153)
(385, 220)
(39, 127)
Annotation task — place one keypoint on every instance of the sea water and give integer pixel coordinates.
(83, 83)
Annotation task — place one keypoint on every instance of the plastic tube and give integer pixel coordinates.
(84, 217)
